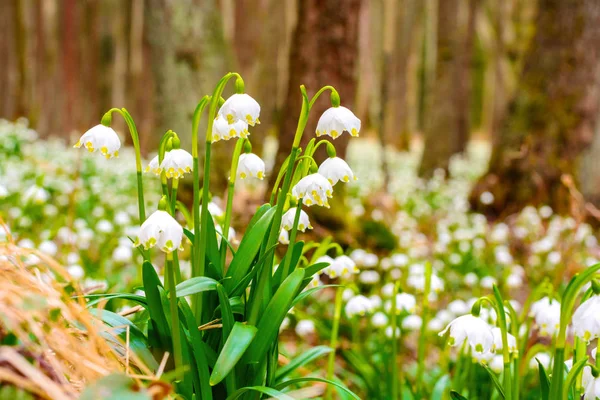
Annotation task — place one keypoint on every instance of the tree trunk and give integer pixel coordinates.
(441, 126)
(396, 116)
(188, 57)
(464, 72)
(552, 117)
(324, 52)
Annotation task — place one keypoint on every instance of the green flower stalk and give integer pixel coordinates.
(566, 310)
(333, 341)
(200, 232)
(423, 332)
(230, 191)
(103, 138)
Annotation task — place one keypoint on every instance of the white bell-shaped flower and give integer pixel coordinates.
(313, 189)
(177, 163)
(284, 237)
(250, 164)
(153, 166)
(335, 169)
(287, 221)
(102, 138)
(222, 130)
(336, 120)
(358, 305)
(404, 302)
(342, 266)
(592, 390)
(510, 339)
(162, 230)
(472, 329)
(240, 106)
(586, 319)
(547, 316)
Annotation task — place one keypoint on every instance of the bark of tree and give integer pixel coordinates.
(396, 116)
(553, 115)
(188, 57)
(324, 52)
(441, 125)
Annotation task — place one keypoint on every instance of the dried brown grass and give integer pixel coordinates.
(60, 346)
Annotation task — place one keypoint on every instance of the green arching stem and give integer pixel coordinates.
(333, 342)
(230, 191)
(135, 137)
(264, 280)
(514, 328)
(196, 202)
(566, 309)
(498, 306)
(288, 254)
(422, 342)
(175, 332)
(395, 377)
(162, 149)
(280, 175)
(323, 89)
(200, 252)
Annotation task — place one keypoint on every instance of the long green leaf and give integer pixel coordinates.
(301, 360)
(195, 285)
(572, 375)
(544, 380)
(495, 380)
(137, 340)
(315, 379)
(440, 387)
(457, 396)
(269, 323)
(314, 268)
(228, 322)
(141, 300)
(249, 246)
(212, 245)
(241, 286)
(310, 291)
(261, 389)
(238, 341)
(155, 305)
(295, 257)
(200, 356)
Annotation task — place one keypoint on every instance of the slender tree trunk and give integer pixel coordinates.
(266, 74)
(464, 73)
(324, 52)
(553, 115)
(396, 119)
(441, 125)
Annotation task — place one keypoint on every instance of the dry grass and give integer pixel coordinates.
(60, 346)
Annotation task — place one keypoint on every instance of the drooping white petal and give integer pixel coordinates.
(472, 329)
(547, 316)
(336, 120)
(177, 163)
(162, 230)
(240, 106)
(358, 305)
(287, 221)
(250, 165)
(335, 169)
(586, 319)
(101, 138)
(222, 130)
(153, 166)
(313, 189)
